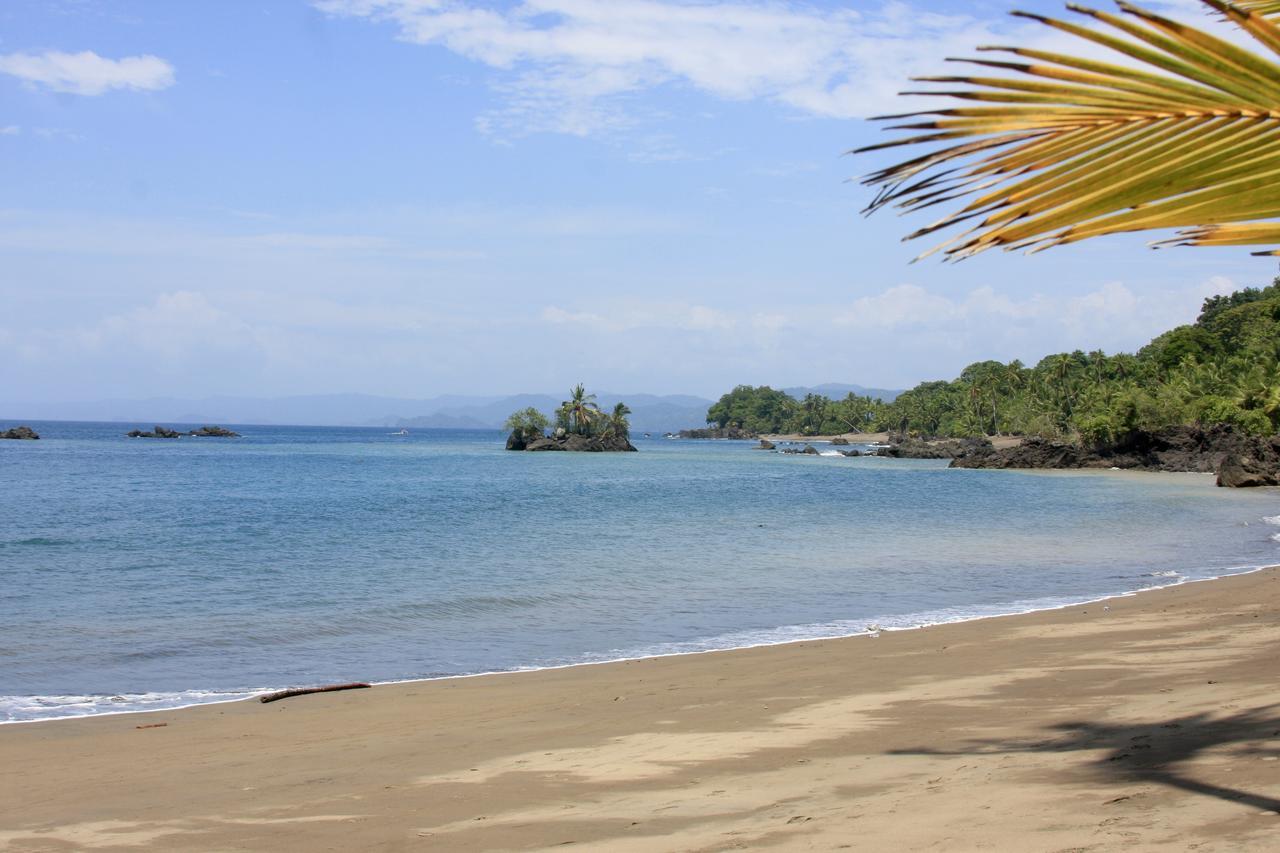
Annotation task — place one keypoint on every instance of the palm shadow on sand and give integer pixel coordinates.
(1156, 752)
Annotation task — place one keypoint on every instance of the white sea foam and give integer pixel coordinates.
(1165, 574)
(21, 709)
(1272, 519)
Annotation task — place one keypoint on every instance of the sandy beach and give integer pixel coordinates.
(1148, 722)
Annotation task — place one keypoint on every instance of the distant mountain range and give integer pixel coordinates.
(649, 412)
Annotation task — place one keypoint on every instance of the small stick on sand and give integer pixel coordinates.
(303, 691)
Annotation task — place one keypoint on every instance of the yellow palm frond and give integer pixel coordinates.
(1268, 8)
(1185, 134)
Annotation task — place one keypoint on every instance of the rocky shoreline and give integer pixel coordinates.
(1238, 460)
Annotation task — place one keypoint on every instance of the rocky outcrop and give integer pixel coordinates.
(158, 432)
(203, 432)
(914, 447)
(571, 442)
(214, 432)
(20, 433)
(1238, 459)
(840, 440)
(766, 444)
(730, 432)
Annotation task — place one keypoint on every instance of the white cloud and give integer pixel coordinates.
(567, 65)
(87, 73)
(10, 130)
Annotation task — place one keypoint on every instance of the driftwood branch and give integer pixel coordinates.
(303, 691)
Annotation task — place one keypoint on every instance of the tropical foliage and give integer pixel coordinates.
(1177, 130)
(1224, 368)
(579, 415)
(529, 423)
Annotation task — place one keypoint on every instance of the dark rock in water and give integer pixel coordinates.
(810, 450)
(214, 432)
(851, 452)
(914, 447)
(516, 441)
(766, 444)
(1238, 459)
(20, 433)
(1239, 470)
(1033, 452)
(578, 443)
(839, 440)
(158, 432)
(730, 432)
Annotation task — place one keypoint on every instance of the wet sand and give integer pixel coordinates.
(1148, 722)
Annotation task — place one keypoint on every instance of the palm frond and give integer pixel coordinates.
(1267, 8)
(1185, 134)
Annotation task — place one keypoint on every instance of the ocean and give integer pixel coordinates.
(151, 573)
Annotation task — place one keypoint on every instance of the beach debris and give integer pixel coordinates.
(874, 631)
(152, 726)
(303, 691)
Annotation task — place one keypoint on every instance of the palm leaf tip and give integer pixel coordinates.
(1183, 132)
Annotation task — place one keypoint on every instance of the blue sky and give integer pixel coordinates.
(417, 197)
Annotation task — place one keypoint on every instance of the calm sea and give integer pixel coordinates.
(154, 573)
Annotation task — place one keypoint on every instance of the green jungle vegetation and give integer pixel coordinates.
(1223, 368)
(579, 415)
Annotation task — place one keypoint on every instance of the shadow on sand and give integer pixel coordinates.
(1157, 752)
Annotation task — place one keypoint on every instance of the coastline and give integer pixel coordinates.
(742, 641)
(801, 743)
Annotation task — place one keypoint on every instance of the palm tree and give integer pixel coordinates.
(1182, 135)
(581, 410)
(618, 424)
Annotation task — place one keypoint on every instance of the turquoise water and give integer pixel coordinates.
(153, 573)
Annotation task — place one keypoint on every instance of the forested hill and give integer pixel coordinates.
(1224, 368)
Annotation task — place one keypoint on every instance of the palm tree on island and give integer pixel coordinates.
(580, 426)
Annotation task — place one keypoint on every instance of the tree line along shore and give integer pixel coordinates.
(1200, 397)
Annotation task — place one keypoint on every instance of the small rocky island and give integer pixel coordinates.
(580, 425)
(20, 433)
(203, 432)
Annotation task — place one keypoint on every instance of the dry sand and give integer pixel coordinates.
(1150, 723)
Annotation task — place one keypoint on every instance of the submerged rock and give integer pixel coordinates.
(158, 432)
(214, 432)
(20, 433)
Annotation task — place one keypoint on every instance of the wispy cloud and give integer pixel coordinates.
(10, 130)
(87, 73)
(569, 65)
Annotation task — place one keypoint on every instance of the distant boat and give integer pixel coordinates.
(401, 432)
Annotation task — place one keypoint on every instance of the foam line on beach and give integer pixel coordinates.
(157, 701)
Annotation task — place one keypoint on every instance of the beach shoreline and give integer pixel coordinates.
(1133, 721)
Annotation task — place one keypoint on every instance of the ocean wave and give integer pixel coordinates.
(21, 709)
(1272, 519)
(1165, 574)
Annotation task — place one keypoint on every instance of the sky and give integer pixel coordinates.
(421, 197)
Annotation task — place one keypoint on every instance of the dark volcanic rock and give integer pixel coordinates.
(913, 447)
(730, 432)
(20, 433)
(1238, 459)
(839, 440)
(851, 452)
(766, 444)
(158, 432)
(214, 432)
(1033, 452)
(516, 441)
(579, 443)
